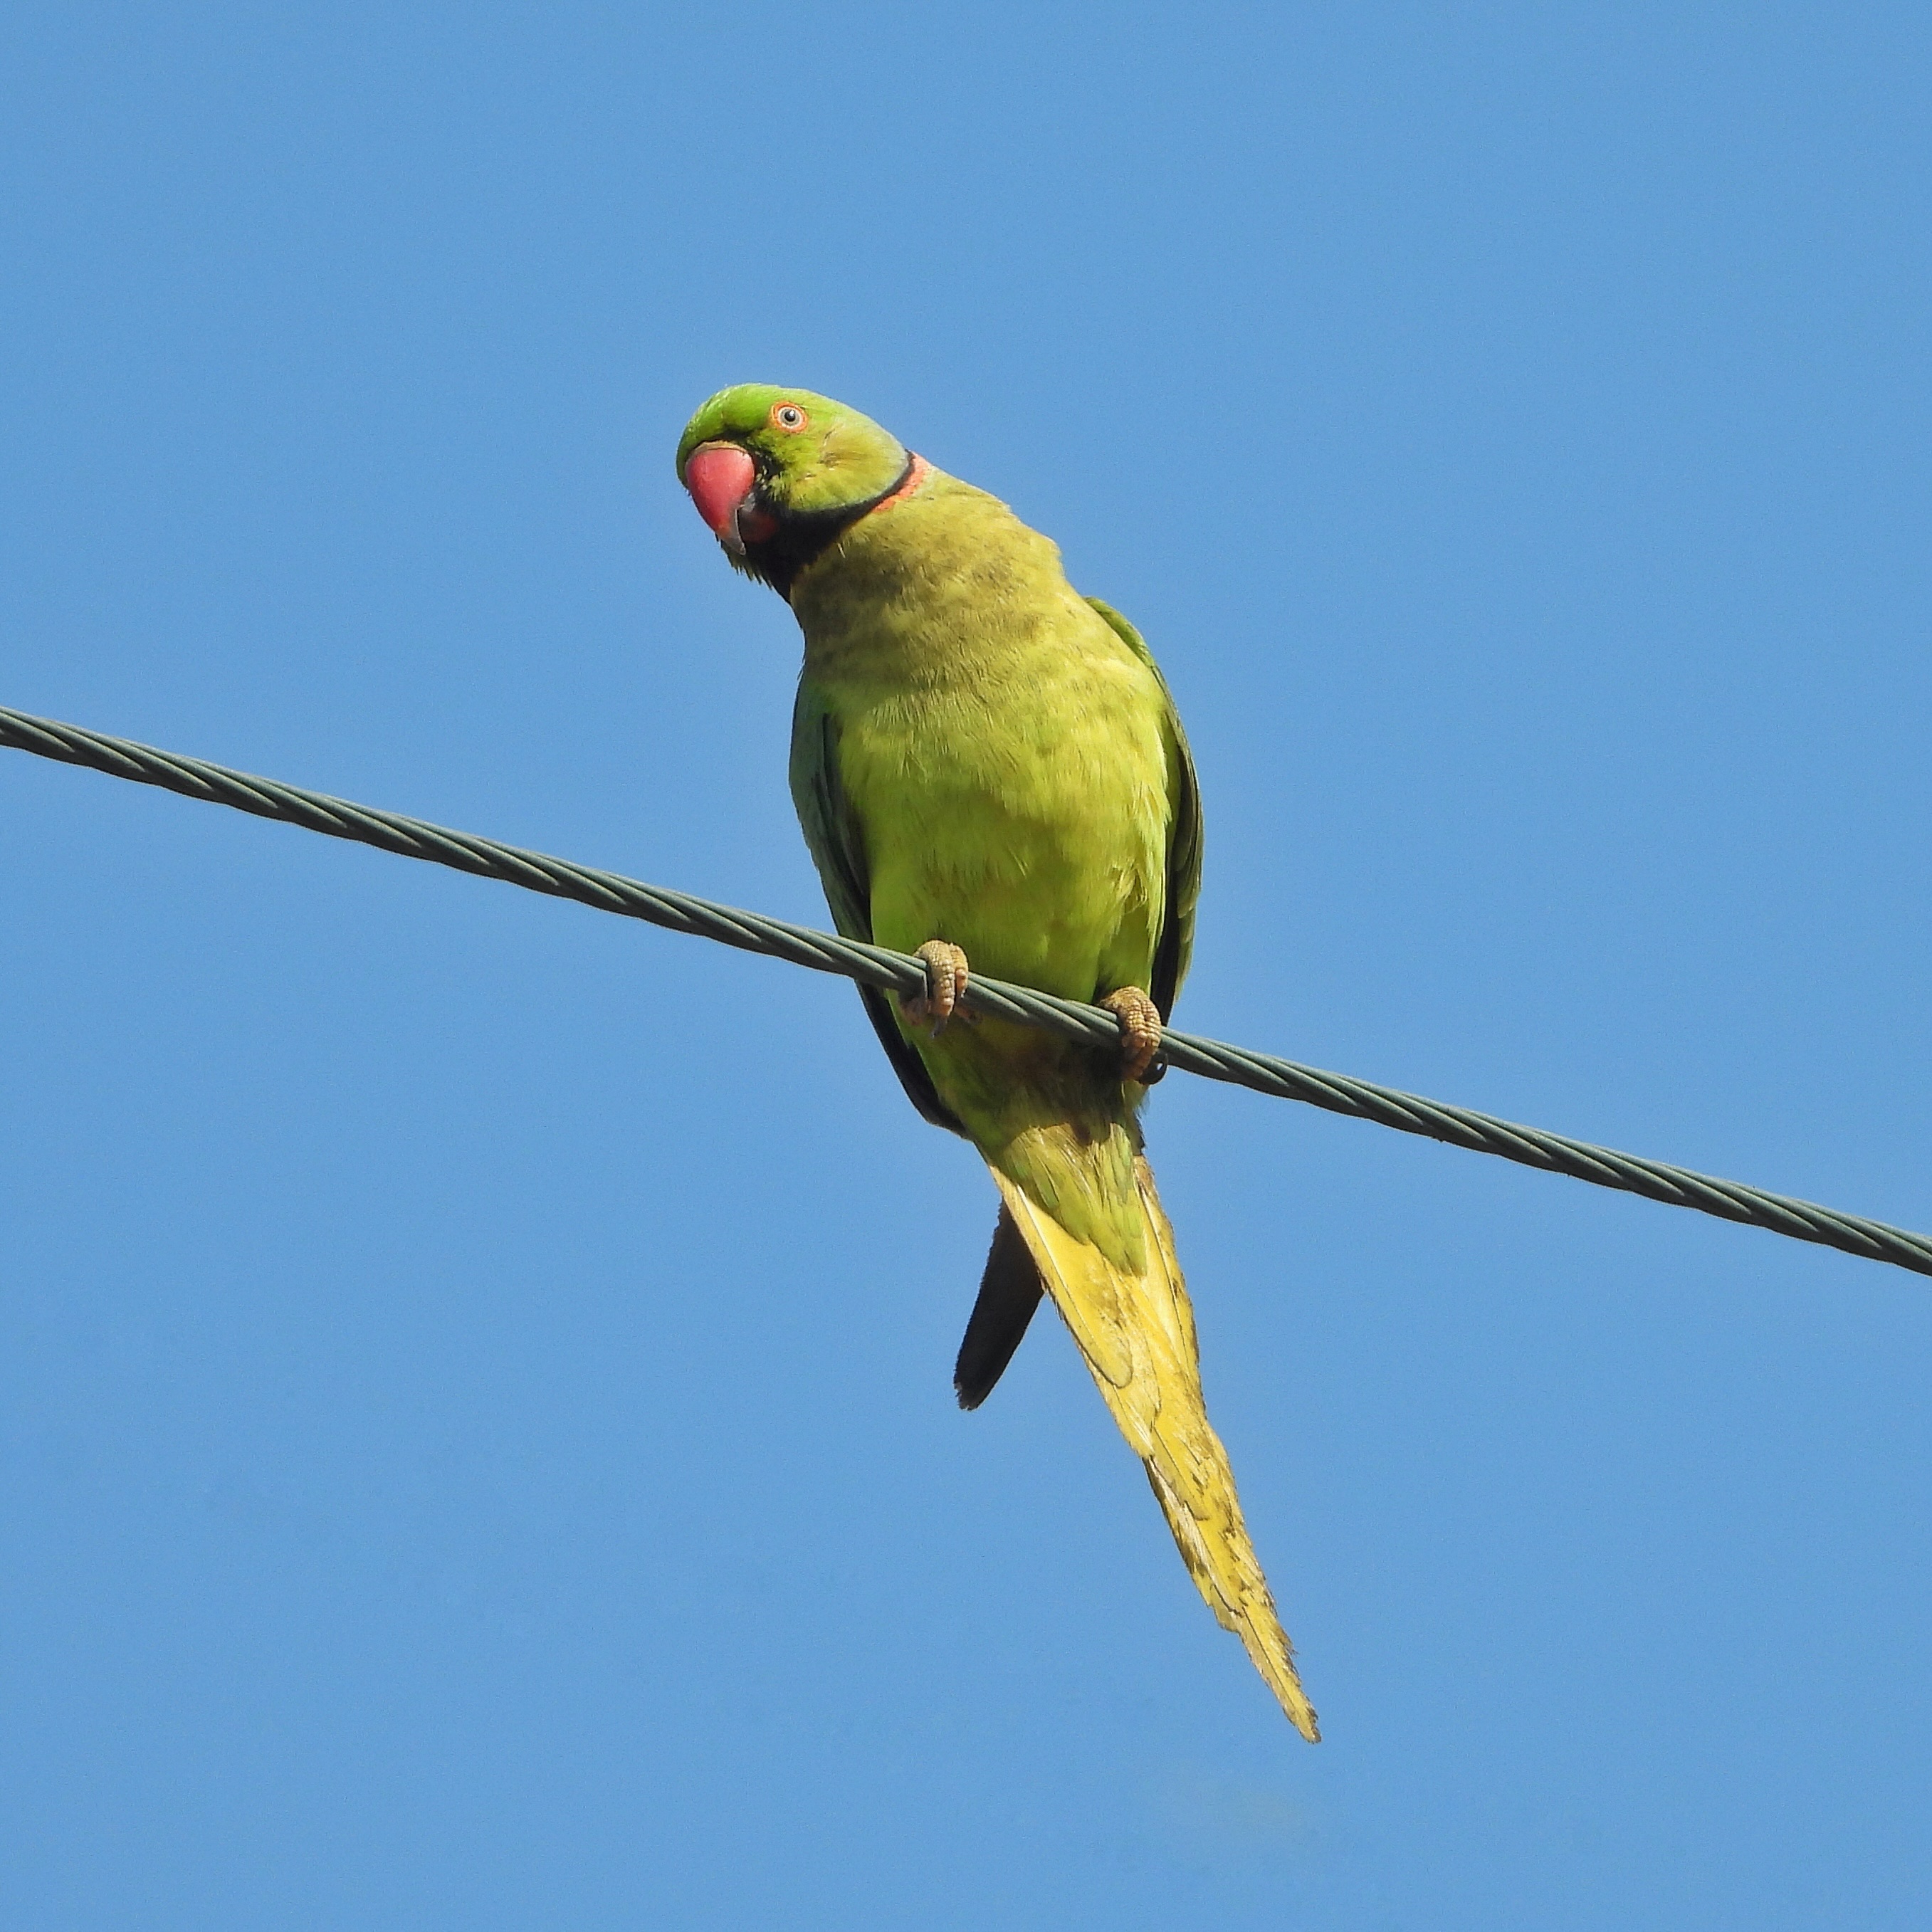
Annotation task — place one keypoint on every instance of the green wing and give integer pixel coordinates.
(1175, 947)
(838, 846)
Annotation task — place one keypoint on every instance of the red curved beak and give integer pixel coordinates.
(720, 476)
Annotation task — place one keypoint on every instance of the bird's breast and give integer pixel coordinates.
(1001, 748)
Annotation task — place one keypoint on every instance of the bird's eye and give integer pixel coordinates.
(789, 416)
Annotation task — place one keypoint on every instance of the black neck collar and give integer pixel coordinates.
(801, 538)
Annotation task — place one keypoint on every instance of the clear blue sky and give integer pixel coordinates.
(476, 1449)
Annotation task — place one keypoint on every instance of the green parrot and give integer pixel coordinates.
(991, 774)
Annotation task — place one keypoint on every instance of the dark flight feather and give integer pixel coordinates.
(1009, 1291)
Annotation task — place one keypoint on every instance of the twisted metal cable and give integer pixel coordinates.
(898, 973)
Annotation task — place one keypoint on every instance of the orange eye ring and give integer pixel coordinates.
(788, 417)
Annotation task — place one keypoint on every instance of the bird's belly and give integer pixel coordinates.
(1038, 845)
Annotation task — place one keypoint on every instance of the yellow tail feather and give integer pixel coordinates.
(1136, 1333)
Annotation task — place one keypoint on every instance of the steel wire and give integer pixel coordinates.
(899, 972)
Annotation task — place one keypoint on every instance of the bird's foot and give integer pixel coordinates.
(1140, 1032)
(945, 987)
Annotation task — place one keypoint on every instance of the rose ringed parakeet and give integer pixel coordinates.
(990, 773)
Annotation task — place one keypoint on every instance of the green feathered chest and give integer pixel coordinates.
(1000, 750)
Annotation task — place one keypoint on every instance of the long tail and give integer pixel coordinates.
(1137, 1335)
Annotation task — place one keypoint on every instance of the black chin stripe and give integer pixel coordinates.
(802, 539)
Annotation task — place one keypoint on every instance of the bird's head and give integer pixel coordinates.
(778, 473)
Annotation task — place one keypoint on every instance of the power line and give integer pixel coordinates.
(898, 973)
